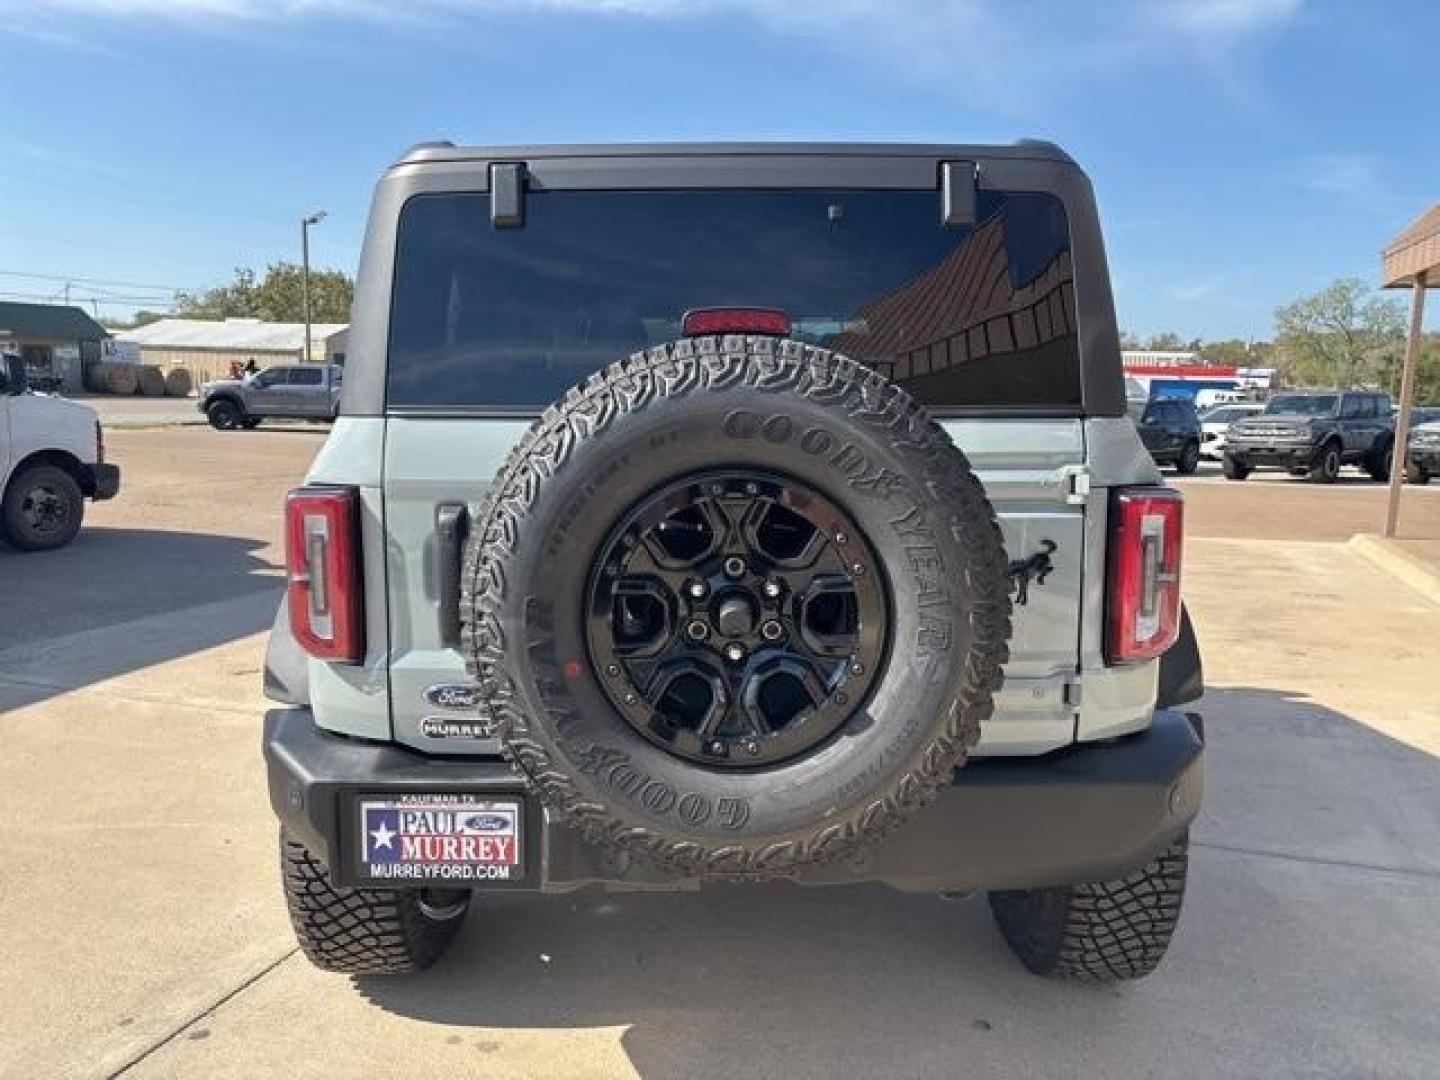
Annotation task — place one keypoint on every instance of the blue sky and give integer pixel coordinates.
(1244, 151)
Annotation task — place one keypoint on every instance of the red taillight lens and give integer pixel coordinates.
(735, 320)
(322, 556)
(1143, 619)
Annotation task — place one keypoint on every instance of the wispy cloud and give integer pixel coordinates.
(993, 53)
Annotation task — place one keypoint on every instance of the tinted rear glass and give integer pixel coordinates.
(506, 320)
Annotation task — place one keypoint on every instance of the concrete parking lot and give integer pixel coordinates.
(144, 933)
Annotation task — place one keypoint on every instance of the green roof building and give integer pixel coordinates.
(56, 341)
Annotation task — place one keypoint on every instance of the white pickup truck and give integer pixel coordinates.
(52, 458)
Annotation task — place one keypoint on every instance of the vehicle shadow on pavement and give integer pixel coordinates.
(117, 599)
(1314, 823)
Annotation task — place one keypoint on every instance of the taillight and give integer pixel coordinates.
(735, 320)
(322, 557)
(1143, 617)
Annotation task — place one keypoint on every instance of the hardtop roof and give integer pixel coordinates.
(1022, 149)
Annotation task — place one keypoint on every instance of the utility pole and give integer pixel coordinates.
(1407, 392)
(305, 223)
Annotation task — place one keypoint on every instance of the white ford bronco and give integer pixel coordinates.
(52, 458)
(703, 512)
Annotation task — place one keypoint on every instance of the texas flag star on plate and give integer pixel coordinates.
(382, 834)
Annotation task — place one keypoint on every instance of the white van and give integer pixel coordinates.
(52, 458)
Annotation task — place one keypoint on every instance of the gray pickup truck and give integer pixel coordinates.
(731, 513)
(291, 391)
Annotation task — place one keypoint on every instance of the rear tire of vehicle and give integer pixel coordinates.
(1326, 466)
(1189, 459)
(365, 931)
(42, 510)
(1415, 473)
(251, 423)
(1102, 932)
(1233, 468)
(224, 415)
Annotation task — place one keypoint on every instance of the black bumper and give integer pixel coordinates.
(104, 481)
(1284, 455)
(1088, 813)
(1427, 458)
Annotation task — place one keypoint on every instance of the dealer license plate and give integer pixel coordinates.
(443, 838)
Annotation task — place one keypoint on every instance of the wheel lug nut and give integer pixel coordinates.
(752, 747)
(734, 652)
(698, 630)
(858, 569)
(752, 488)
(630, 699)
(857, 668)
(841, 538)
(613, 670)
(771, 630)
(771, 589)
(734, 567)
(717, 747)
(697, 589)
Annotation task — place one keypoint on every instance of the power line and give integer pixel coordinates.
(92, 281)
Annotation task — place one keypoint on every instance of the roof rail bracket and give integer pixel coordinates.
(507, 194)
(959, 181)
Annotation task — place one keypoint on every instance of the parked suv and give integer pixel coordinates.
(1171, 432)
(734, 512)
(293, 391)
(52, 458)
(1312, 434)
(1422, 448)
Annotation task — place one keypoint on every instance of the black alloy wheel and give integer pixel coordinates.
(737, 618)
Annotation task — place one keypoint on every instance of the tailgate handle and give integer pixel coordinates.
(452, 526)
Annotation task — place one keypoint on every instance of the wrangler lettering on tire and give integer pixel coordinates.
(763, 641)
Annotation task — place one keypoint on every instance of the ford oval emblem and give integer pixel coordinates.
(453, 696)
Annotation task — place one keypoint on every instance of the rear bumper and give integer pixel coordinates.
(1088, 813)
(104, 481)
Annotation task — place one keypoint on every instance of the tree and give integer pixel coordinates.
(277, 298)
(1129, 342)
(1343, 336)
(1167, 341)
(1237, 352)
(139, 318)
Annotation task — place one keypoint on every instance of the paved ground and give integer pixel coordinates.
(134, 412)
(143, 932)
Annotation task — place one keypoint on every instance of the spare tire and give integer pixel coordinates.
(737, 605)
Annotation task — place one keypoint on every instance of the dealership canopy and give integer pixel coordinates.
(1411, 260)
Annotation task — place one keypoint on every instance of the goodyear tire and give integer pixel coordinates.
(1103, 932)
(746, 436)
(365, 931)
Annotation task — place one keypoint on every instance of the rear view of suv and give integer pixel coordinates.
(734, 512)
(1171, 432)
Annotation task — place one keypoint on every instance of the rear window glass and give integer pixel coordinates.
(505, 320)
